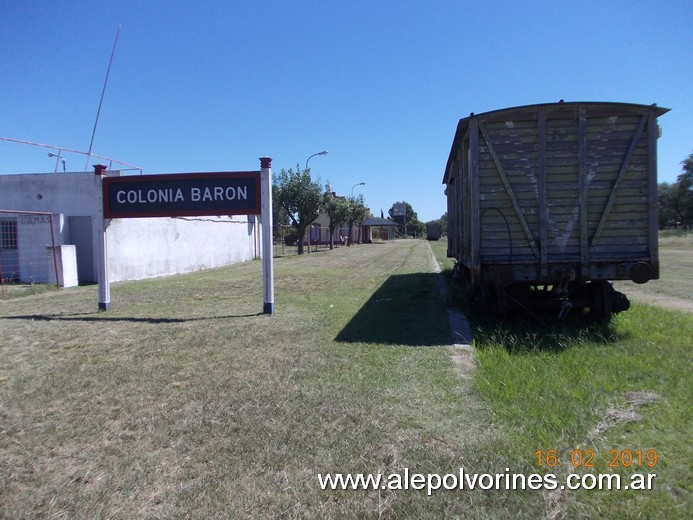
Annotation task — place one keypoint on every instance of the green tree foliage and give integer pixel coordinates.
(414, 226)
(685, 186)
(356, 213)
(676, 200)
(442, 222)
(300, 197)
(279, 215)
(337, 210)
(665, 201)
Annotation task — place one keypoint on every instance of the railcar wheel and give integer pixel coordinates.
(601, 297)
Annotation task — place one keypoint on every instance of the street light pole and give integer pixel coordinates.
(357, 184)
(307, 231)
(352, 198)
(324, 152)
(57, 160)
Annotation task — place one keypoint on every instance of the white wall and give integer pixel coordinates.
(150, 247)
(69, 193)
(34, 241)
(137, 248)
(66, 261)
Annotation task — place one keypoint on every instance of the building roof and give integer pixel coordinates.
(375, 221)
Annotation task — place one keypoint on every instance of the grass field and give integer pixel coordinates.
(184, 401)
(674, 289)
(9, 291)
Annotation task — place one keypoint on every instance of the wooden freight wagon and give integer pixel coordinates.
(433, 231)
(547, 203)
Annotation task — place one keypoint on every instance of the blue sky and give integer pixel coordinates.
(213, 85)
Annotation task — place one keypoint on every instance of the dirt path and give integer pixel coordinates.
(674, 287)
(645, 294)
(461, 331)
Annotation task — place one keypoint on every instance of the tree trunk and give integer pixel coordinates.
(300, 235)
(351, 229)
(332, 228)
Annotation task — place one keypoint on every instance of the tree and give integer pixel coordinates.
(301, 198)
(279, 216)
(337, 210)
(665, 202)
(684, 184)
(442, 222)
(356, 213)
(676, 200)
(410, 224)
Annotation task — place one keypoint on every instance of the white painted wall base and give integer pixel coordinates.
(66, 260)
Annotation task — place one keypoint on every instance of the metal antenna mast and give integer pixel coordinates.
(103, 91)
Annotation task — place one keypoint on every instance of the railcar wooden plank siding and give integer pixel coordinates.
(554, 192)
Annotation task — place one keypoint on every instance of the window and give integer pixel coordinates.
(8, 234)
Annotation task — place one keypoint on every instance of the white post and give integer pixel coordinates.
(99, 226)
(266, 219)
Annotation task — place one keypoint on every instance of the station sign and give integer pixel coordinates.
(182, 195)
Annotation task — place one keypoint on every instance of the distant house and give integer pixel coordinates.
(320, 231)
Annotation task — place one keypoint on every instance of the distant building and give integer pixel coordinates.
(137, 247)
(378, 229)
(320, 230)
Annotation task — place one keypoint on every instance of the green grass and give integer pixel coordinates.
(552, 390)
(677, 265)
(15, 290)
(565, 385)
(674, 288)
(185, 401)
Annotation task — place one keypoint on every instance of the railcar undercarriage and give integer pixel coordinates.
(599, 297)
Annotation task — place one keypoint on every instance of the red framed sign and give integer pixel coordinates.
(182, 195)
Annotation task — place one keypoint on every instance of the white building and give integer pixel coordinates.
(137, 247)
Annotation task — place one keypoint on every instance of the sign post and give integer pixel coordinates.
(99, 225)
(266, 219)
(183, 195)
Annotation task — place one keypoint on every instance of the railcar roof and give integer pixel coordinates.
(514, 112)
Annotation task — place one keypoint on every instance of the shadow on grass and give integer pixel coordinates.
(523, 332)
(88, 317)
(520, 335)
(405, 310)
